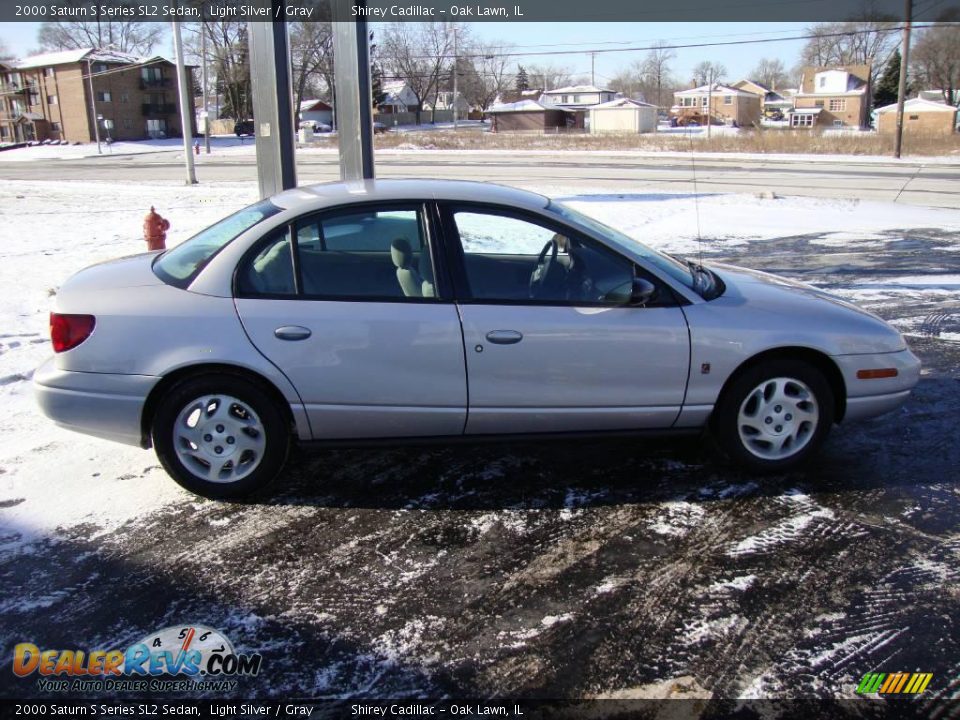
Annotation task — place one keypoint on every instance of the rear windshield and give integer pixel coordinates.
(180, 265)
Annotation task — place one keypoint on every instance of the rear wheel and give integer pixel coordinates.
(220, 436)
(775, 416)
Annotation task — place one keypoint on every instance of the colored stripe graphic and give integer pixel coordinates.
(894, 683)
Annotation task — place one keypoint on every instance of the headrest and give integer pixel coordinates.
(401, 253)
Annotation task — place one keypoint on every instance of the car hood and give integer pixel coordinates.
(802, 309)
(126, 272)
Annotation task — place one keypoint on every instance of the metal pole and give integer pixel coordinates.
(206, 101)
(93, 104)
(709, 107)
(902, 88)
(455, 73)
(351, 54)
(185, 123)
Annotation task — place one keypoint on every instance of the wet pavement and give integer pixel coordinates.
(565, 569)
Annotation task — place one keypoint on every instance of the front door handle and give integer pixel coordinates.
(504, 337)
(292, 332)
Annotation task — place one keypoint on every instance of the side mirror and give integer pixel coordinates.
(643, 292)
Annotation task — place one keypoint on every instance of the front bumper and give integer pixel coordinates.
(104, 405)
(869, 398)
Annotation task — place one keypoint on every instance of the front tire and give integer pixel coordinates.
(774, 416)
(220, 436)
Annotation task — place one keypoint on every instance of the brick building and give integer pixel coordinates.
(47, 97)
(834, 97)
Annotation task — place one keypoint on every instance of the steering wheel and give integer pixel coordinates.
(546, 266)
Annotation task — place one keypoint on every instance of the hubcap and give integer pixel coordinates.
(778, 418)
(219, 438)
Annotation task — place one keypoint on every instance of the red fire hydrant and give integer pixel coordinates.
(155, 230)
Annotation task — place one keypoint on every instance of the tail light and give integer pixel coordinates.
(68, 331)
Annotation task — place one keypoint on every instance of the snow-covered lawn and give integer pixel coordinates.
(52, 478)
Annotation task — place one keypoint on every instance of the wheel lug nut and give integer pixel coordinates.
(230, 440)
(219, 428)
(768, 420)
(208, 437)
(218, 449)
(788, 416)
(778, 428)
(777, 408)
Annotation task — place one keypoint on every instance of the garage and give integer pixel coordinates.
(625, 116)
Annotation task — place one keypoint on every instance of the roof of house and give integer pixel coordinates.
(718, 89)
(63, 57)
(577, 89)
(622, 103)
(314, 106)
(519, 106)
(919, 105)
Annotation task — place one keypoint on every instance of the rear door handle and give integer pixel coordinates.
(504, 337)
(292, 332)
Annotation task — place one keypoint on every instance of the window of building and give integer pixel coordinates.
(100, 67)
(838, 123)
(838, 104)
(33, 98)
(914, 117)
(818, 103)
(4, 131)
(56, 127)
(53, 100)
(156, 128)
(124, 97)
(104, 96)
(127, 123)
(728, 99)
(703, 100)
(49, 72)
(823, 82)
(804, 120)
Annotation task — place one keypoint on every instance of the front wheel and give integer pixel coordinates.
(220, 436)
(775, 416)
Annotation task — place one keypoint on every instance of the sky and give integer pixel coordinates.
(577, 39)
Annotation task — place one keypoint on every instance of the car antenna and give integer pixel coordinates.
(696, 198)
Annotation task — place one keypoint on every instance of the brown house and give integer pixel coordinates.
(920, 117)
(49, 97)
(722, 104)
(833, 97)
(528, 116)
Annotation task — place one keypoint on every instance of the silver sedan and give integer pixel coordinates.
(428, 309)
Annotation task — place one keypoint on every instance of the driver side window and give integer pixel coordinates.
(512, 259)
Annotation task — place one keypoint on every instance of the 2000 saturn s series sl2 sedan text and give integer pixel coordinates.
(431, 309)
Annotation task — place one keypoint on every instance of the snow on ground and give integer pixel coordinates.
(48, 230)
(139, 147)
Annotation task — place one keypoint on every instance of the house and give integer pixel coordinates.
(445, 102)
(398, 98)
(833, 97)
(316, 111)
(576, 101)
(727, 105)
(772, 102)
(623, 115)
(920, 117)
(526, 116)
(48, 97)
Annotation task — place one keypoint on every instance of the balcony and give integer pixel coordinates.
(150, 83)
(158, 108)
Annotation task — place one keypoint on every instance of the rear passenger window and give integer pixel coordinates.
(371, 254)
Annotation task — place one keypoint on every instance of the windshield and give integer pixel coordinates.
(180, 265)
(672, 267)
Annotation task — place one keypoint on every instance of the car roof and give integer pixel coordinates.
(315, 197)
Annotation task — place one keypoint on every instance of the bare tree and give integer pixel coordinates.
(549, 77)
(494, 71)
(311, 58)
(417, 53)
(935, 60)
(869, 41)
(228, 55)
(136, 38)
(656, 69)
(5, 53)
(631, 81)
(708, 73)
(771, 73)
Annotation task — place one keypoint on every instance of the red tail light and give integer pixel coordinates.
(68, 331)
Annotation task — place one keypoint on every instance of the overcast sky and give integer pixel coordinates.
(581, 37)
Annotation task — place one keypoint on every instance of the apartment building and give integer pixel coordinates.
(60, 95)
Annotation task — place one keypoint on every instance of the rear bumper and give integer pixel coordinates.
(869, 398)
(104, 405)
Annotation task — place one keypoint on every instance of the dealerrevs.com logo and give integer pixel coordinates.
(898, 683)
(176, 659)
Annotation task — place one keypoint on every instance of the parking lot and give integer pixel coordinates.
(564, 569)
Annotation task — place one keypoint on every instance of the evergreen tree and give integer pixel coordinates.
(523, 83)
(885, 93)
(376, 85)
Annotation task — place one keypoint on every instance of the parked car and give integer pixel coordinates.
(379, 127)
(401, 309)
(316, 126)
(244, 127)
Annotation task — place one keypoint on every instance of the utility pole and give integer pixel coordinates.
(206, 102)
(902, 89)
(93, 105)
(185, 120)
(593, 75)
(455, 73)
(709, 104)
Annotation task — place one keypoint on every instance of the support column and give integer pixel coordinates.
(351, 52)
(271, 81)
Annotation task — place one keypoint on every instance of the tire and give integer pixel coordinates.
(220, 436)
(774, 416)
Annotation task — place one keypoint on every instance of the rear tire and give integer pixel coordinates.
(220, 436)
(774, 416)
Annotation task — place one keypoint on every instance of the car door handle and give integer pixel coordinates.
(504, 337)
(292, 332)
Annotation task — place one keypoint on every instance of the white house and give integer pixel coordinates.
(445, 102)
(316, 111)
(399, 98)
(623, 115)
(576, 97)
